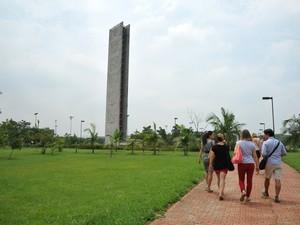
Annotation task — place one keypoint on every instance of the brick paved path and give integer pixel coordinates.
(201, 208)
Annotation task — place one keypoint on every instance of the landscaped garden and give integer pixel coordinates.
(84, 188)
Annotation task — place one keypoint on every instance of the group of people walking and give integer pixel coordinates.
(216, 158)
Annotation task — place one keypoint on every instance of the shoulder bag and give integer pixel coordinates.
(263, 162)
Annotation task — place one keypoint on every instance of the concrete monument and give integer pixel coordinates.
(117, 81)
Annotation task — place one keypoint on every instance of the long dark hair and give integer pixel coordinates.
(205, 137)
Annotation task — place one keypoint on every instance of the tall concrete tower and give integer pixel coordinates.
(117, 81)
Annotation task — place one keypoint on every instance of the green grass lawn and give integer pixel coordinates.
(293, 159)
(84, 188)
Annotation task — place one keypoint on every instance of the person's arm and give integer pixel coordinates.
(211, 158)
(200, 153)
(264, 149)
(255, 160)
(283, 150)
(235, 148)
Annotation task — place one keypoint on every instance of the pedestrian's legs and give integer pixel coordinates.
(209, 179)
(222, 183)
(249, 171)
(205, 164)
(267, 184)
(277, 188)
(241, 172)
(218, 181)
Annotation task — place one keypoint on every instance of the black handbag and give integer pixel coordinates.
(230, 165)
(263, 162)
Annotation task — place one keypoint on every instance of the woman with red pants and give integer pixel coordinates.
(250, 161)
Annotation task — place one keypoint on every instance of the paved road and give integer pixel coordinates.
(201, 208)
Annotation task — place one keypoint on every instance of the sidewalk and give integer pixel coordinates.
(201, 208)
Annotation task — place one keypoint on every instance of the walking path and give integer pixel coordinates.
(201, 208)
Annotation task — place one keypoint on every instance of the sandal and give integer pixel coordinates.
(276, 200)
(221, 198)
(247, 199)
(243, 196)
(264, 195)
(208, 190)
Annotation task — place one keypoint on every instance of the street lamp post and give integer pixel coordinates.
(55, 127)
(35, 119)
(1, 94)
(82, 121)
(71, 117)
(175, 119)
(263, 125)
(271, 98)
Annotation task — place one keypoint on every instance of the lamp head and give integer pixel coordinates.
(267, 98)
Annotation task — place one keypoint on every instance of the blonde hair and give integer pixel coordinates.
(220, 137)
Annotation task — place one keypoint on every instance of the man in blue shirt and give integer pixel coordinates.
(273, 166)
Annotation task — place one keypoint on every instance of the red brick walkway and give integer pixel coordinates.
(201, 208)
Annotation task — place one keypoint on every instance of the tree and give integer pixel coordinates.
(151, 137)
(166, 138)
(93, 135)
(13, 133)
(47, 139)
(185, 138)
(175, 131)
(226, 125)
(291, 128)
(116, 138)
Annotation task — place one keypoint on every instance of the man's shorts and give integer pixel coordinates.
(274, 170)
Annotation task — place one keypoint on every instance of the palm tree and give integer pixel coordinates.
(93, 135)
(291, 127)
(151, 137)
(226, 125)
(186, 135)
(116, 137)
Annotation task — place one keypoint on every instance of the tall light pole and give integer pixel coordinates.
(71, 117)
(125, 136)
(35, 119)
(82, 121)
(55, 127)
(1, 94)
(263, 124)
(271, 98)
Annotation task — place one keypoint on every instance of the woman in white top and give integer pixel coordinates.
(248, 150)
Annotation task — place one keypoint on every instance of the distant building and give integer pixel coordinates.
(117, 81)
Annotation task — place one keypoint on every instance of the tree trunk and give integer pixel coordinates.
(185, 150)
(10, 155)
(43, 150)
(154, 150)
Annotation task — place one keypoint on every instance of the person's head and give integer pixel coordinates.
(268, 133)
(245, 135)
(206, 135)
(210, 134)
(254, 135)
(220, 137)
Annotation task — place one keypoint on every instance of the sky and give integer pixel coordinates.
(185, 56)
